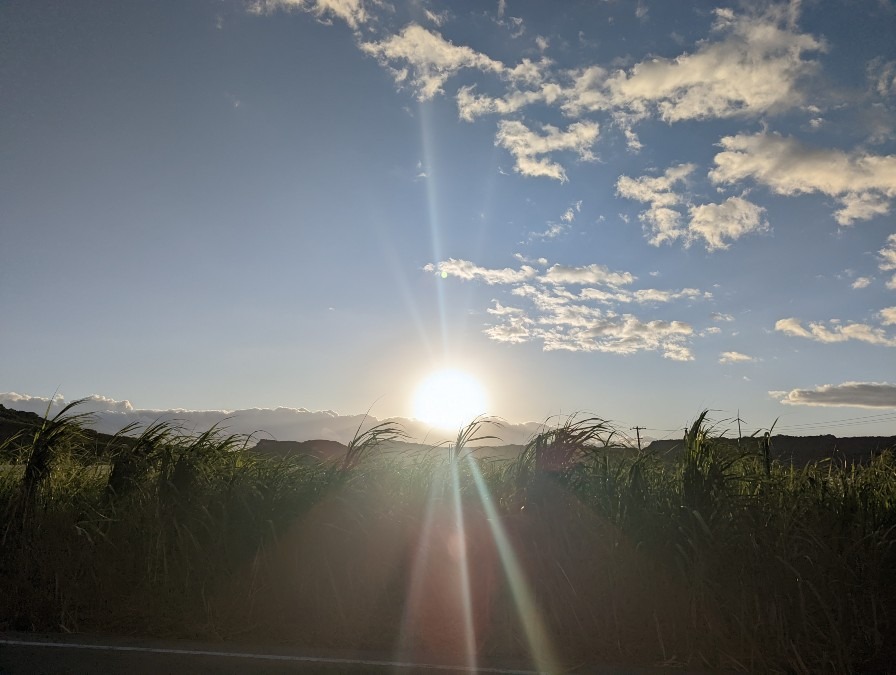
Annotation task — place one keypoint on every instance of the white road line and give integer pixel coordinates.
(268, 657)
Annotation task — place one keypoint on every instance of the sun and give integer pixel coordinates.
(449, 399)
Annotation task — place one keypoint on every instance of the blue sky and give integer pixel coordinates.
(637, 209)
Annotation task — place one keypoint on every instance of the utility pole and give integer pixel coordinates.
(638, 433)
(738, 427)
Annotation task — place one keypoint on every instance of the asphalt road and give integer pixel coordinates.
(82, 655)
(47, 654)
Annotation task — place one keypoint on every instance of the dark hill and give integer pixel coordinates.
(23, 424)
(319, 449)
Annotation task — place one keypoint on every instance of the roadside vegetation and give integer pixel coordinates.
(715, 557)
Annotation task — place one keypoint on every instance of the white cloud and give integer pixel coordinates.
(530, 147)
(501, 310)
(836, 332)
(426, 60)
(553, 231)
(888, 316)
(464, 269)
(719, 316)
(514, 329)
(580, 328)
(437, 18)
(654, 295)
(563, 320)
(888, 260)
(351, 12)
(717, 225)
(734, 357)
(641, 296)
(861, 282)
(853, 394)
(755, 66)
(720, 224)
(862, 182)
(662, 222)
(524, 259)
(589, 274)
(864, 206)
(570, 214)
(471, 105)
(641, 10)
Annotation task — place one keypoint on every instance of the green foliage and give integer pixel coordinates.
(717, 557)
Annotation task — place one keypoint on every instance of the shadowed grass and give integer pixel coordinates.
(717, 557)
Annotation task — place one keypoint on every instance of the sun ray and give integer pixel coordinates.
(432, 201)
(536, 635)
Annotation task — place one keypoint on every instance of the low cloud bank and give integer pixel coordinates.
(854, 394)
(283, 424)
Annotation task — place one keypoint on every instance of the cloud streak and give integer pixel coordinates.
(848, 394)
(735, 357)
(835, 332)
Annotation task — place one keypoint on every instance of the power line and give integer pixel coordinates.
(847, 421)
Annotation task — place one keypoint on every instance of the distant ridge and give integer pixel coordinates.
(319, 449)
(797, 449)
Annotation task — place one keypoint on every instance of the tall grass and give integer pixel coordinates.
(717, 556)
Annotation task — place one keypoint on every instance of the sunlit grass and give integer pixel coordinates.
(576, 552)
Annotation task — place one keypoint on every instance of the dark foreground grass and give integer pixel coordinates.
(712, 559)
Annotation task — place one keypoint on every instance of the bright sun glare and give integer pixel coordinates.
(449, 399)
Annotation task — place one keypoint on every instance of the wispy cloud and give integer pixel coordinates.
(425, 60)
(717, 225)
(882, 76)
(853, 394)
(553, 231)
(562, 319)
(735, 357)
(529, 148)
(835, 332)
(464, 269)
(752, 64)
(888, 260)
(570, 214)
(863, 183)
(861, 282)
(661, 221)
(588, 274)
(352, 12)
